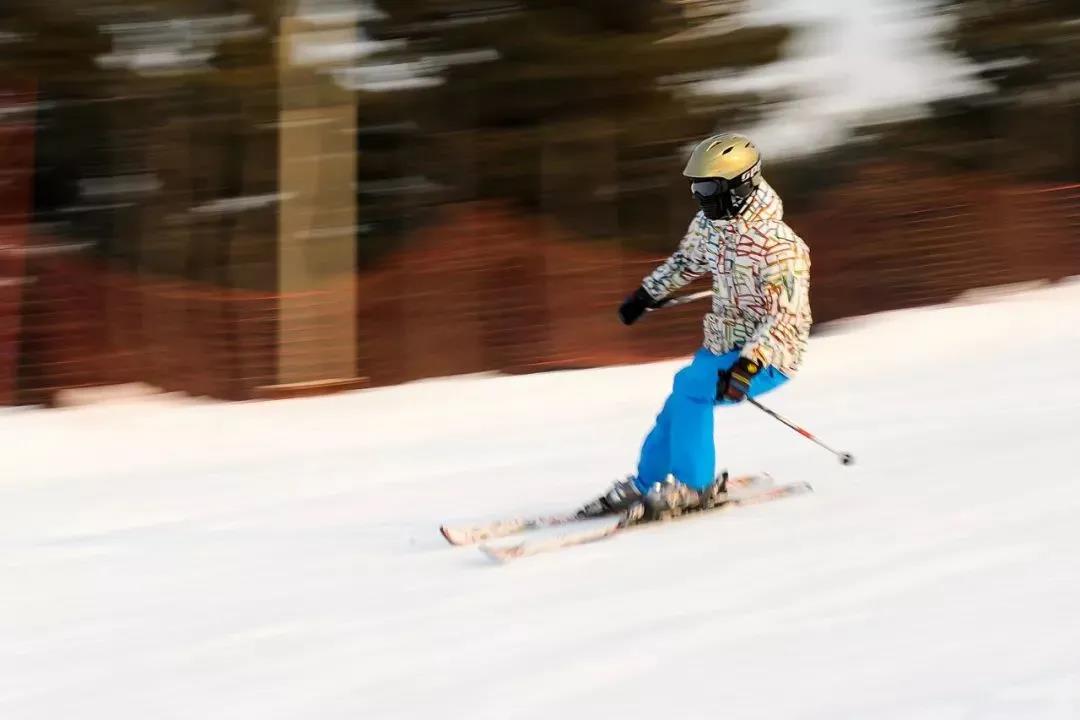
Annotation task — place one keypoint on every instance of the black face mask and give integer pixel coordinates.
(718, 199)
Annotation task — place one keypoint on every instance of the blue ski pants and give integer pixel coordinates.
(681, 443)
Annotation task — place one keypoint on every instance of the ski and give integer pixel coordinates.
(605, 527)
(472, 534)
(482, 532)
(579, 533)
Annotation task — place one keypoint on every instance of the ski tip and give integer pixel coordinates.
(452, 537)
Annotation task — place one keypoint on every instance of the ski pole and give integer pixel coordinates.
(845, 458)
(682, 299)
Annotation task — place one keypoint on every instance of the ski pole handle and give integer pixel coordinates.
(845, 457)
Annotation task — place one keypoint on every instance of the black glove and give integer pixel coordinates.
(733, 384)
(635, 305)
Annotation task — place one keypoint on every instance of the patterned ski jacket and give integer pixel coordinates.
(761, 282)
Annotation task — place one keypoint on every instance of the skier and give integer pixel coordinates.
(755, 335)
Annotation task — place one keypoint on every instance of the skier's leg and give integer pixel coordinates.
(690, 410)
(688, 431)
(693, 450)
(657, 453)
(681, 441)
(654, 462)
(654, 465)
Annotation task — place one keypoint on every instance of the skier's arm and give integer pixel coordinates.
(686, 264)
(785, 287)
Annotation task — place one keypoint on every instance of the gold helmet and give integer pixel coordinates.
(724, 171)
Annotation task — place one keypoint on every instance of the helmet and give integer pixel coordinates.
(724, 171)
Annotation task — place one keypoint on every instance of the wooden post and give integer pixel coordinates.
(317, 220)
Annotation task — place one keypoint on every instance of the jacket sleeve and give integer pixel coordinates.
(784, 286)
(689, 262)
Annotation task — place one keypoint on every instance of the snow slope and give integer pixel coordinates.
(281, 560)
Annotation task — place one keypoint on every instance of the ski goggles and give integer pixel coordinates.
(711, 187)
(707, 188)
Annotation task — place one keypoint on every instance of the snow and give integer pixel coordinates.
(171, 559)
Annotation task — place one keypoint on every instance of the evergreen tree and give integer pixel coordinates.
(577, 108)
(1026, 121)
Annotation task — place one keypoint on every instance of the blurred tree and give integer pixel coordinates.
(1029, 52)
(579, 108)
(1026, 122)
(177, 99)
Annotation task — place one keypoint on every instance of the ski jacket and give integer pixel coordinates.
(761, 282)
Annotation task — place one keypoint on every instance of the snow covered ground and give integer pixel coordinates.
(161, 559)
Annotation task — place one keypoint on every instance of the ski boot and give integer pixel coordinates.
(623, 496)
(716, 493)
(671, 498)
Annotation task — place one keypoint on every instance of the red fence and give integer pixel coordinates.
(486, 289)
(16, 182)
(85, 325)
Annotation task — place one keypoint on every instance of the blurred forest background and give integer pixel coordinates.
(252, 198)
